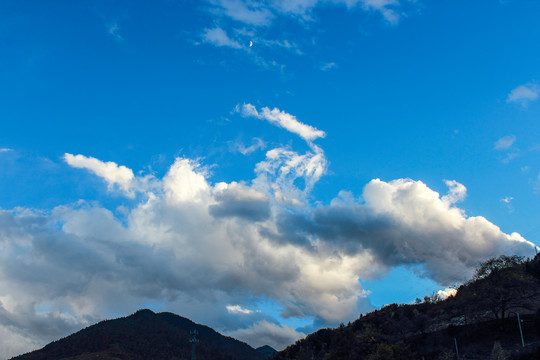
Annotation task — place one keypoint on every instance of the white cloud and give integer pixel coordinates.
(113, 174)
(391, 16)
(113, 29)
(257, 144)
(245, 11)
(284, 120)
(523, 94)
(278, 174)
(237, 309)
(200, 249)
(457, 192)
(328, 66)
(300, 8)
(266, 333)
(172, 248)
(446, 293)
(505, 142)
(261, 14)
(5, 149)
(183, 183)
(239, 200)
(507, 199)
(510, 156)
(284, 44)
(243, 24)
(404, 222)
(217, 36)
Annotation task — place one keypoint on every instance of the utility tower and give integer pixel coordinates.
(194, 340)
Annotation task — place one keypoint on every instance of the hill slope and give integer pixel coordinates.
(144, 335)
(481, 319)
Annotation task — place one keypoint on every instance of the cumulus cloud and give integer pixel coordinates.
(284, 120)
(185, 182)
(523, 94)
(446, 293)
(201, 249)
(505, 142)
(456, 192)
(113, 174)
(405, 222)
(241, 201)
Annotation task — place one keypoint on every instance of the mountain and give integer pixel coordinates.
(481, 320)
(145, 335)
(267, 351)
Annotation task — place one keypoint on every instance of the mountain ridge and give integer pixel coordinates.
(479, 322)
(144, 335)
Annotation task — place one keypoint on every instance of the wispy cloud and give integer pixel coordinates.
(284, 120)
(262, 13)
(245, 11)
(249, 20)
(114, 30)
(237, 309)
(510, 156)
(328, 66)
(279, 43)
(257, 144)
(505, 142)
(5, 150)
(218, 37)
(507, 201)
(523, 94)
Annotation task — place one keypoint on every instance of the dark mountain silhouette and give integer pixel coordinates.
(145, 336)
(481, 320)
(267, 351)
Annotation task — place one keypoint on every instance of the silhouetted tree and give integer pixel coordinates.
(509, 286)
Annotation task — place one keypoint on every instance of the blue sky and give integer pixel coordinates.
(264, 167)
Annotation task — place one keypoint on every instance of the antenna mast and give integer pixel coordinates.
(194, 340)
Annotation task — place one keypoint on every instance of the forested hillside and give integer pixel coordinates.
(480, 322)
(145, 336)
